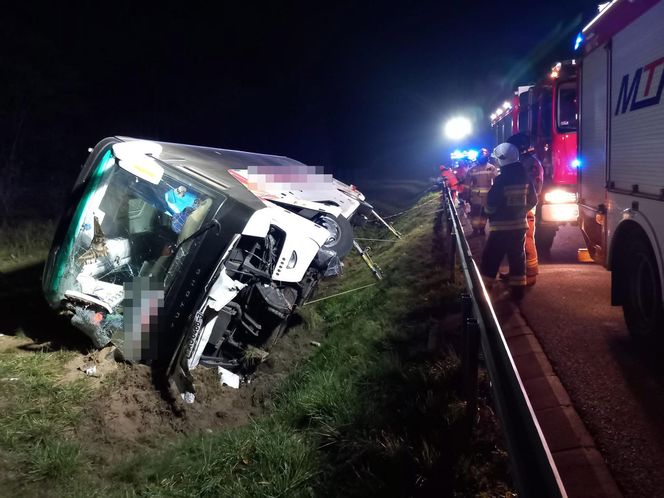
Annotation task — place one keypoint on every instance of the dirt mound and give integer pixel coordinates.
(133, 409)
(96, 366)
(10, 342)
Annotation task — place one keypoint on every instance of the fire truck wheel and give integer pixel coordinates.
(341, 233)
(642, 305)
(544, 238)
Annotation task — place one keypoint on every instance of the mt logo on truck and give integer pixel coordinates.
(652, 69)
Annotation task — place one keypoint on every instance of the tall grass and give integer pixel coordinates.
(38, 418)
(24, 241)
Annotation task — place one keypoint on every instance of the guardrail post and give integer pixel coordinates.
(452, 241)
(466, 307)
(451, 234)
(471, 368)
(470, 365)
(452, 257)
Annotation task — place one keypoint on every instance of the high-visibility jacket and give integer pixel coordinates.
(480, 179)
(510, 198)
(452, 180)
(461, 174)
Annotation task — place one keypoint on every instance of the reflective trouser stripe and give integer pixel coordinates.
(478, 222)
(505, 243)
(518, 280)
(532, 267)
(513, 225)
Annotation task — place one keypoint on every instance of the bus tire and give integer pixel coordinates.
(642, 305)
(341, 233)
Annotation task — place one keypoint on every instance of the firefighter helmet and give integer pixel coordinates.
(505, 154)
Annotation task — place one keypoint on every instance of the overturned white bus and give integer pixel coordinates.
(180, 255)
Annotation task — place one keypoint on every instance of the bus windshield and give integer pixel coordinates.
(126, 227)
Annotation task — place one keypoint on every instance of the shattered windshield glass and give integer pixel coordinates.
(126, 228)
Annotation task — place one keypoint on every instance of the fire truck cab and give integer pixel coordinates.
(621, 147)
(547, 112)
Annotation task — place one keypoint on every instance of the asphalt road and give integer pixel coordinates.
(616, 383)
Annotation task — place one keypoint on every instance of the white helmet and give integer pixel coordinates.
(506, 154)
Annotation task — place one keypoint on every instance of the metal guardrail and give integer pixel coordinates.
(532, 466)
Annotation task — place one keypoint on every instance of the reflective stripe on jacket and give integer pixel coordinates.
(511, 197)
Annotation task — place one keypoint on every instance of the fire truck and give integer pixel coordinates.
(621, 148)
(547, 112)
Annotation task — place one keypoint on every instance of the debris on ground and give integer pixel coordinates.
(188, 397)
(228, 378)
(90, 370)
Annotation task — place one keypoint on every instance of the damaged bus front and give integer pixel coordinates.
(164, 253)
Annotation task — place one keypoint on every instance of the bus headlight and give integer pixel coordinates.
(560, 196)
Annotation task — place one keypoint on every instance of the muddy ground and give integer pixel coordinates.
(132, 408)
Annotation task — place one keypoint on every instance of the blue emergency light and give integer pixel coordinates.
(578, 41)
(470, 154)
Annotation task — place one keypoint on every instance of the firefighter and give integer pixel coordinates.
(461, 173)
(534, 170)
(509, 199)
(480, 178)
(452, 181)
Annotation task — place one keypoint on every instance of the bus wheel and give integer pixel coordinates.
(341, 233)
(642, 305)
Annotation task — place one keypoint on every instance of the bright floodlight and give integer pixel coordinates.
(458, 128)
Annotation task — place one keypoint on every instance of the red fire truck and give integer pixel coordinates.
(547, 112)
(621, 147)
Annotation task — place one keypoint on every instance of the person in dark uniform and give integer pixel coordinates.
(480, 179)
(535, 171)
(508, 201)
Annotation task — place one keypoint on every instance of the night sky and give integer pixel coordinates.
(360, 89)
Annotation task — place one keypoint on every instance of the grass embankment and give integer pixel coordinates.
(38, 419)
(23, 243)
(372, 412)
(38, 412)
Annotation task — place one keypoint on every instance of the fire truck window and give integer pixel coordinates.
(534, 121)
(523, 120)
(524, 109)
(501, 132)
(567, 110)
(545, 116)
